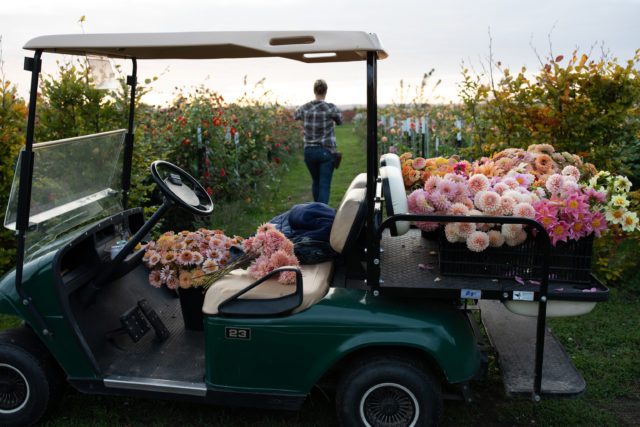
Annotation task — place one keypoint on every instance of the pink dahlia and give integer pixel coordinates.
(274, 240)
(518, 239)
(432, 183)
(509, 231)
(496, 239)
(439, 201)
(419, 163)
(524, 210)
(489, 201)
(598, 223)
(166, 273)
(197, 258)
(571, 171)
(580, 227)
(510, 182)
(555, 183)
(447, 188)
(478, 241)
(576, 204)
(500, 188)
(559, 232)
(506, 205)
(185, 258)
(154, 259)
(458, 209)
(154, 278)
(464, 229)
(450, 233)
(477, 183)
(418, 203)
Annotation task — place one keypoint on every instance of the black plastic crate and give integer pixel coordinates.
(569, 261)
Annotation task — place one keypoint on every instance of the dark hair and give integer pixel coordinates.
(320, 87)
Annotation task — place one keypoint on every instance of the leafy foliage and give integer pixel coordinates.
(586, 107)
(13, 113)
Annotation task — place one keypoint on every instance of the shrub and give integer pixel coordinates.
(586, 107)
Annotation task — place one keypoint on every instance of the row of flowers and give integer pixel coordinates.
(570, 199)
(227, 147)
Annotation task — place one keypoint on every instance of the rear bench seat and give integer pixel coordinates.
(316, 277)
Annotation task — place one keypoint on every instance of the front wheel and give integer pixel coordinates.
(385, 392)
(28, 380)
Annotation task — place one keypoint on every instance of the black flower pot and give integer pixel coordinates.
(191, 301)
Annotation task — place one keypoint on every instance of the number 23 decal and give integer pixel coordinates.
(237, 333)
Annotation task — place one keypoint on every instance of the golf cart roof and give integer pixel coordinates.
(305, 46)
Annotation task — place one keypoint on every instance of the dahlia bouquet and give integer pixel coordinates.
(270, 250)
(186, 259)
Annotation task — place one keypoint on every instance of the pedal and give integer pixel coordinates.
(135, 323)
(162, 333)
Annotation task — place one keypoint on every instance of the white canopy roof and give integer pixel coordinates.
(306, 46)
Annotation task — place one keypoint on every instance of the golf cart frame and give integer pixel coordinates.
(380, 296)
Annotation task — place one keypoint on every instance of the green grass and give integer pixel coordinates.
(604, 345)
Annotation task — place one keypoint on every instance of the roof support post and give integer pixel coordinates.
(373, 270)
(24, 191)
(128, 138)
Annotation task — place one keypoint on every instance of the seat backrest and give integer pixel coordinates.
(360, 181)
(390, 159)
(349, 220)
(395, 197)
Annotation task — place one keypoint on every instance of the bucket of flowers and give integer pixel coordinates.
(183, 261)
(573, 201)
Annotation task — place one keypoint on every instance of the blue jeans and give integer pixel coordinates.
(319, 161)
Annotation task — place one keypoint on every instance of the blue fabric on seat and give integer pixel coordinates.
(312, 220)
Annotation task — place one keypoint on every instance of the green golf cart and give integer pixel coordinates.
(381, 328)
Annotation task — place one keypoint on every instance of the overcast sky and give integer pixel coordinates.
(418, 36)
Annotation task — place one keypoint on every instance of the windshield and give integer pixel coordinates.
(75, 181)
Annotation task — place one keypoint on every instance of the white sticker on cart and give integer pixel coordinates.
(522, 296)
(471, 293)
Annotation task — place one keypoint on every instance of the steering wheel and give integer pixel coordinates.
(180, 187)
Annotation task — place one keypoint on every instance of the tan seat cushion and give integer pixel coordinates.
(315, 284)
(345, 218)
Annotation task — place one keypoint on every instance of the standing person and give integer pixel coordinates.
(319, 140)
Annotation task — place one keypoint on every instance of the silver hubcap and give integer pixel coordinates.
(14, 389)
(389, 405)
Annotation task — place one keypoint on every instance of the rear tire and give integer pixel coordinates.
(29, 379)
(388, 391)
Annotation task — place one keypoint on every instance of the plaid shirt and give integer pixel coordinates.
(318, 117)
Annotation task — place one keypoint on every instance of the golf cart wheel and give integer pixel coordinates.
(385, 392)
(28, 380)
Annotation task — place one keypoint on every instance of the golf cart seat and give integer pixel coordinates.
(390, 159)
(316, 278)
(395, 197)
